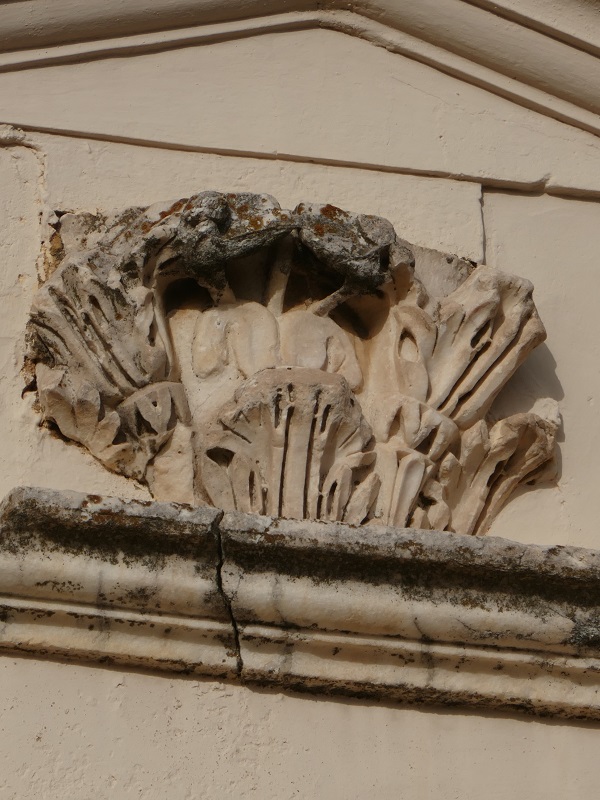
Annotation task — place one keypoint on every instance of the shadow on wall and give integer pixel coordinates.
(534, 387)
(520, 715)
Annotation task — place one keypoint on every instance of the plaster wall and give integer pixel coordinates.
(80, 733)
(306, 115)
(313, 95)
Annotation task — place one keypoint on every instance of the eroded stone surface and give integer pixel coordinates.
(229, 352)
(397, 614)
(131, 582)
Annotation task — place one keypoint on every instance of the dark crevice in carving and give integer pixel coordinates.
(309, 457)
(286, 450)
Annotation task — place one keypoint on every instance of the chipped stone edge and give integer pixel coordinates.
(395, 615)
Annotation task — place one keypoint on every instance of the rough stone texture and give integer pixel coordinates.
(248, 400)
(319, 607)
(133, 582)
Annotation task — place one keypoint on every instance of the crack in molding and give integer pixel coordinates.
(530, 661)
(224, 596)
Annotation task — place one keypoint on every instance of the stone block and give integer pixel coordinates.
(431, 212)
(130, 582)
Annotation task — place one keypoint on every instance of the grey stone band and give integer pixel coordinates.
(404, 615)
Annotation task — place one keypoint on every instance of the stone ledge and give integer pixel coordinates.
(403, 615)
(108, 580)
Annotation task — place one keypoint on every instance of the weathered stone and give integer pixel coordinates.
(129, 581)
(224, 350)
(398, 614)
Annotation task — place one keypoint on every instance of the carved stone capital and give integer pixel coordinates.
(300, 364)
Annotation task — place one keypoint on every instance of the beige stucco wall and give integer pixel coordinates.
(80, 733)
(311, 115)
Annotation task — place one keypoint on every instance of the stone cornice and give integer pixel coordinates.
(397, 614)
(521, 55)
(29, 23)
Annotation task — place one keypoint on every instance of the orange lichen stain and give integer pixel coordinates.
(331, 212)
(174, 208)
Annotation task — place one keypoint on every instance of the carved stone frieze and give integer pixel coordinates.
(228, 352)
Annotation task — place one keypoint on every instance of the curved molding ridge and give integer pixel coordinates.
(510, 55)
(397, 614)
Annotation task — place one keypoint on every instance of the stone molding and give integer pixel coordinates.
(520, 56)
(400, 615)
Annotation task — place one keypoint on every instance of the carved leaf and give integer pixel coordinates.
(491, 463)
(486, 329)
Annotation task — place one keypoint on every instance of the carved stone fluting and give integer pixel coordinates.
(292, 363)
(295, 442)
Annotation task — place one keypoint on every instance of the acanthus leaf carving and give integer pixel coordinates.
(293, 441)
(226, 351)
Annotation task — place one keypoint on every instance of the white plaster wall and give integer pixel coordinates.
(281, 106)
